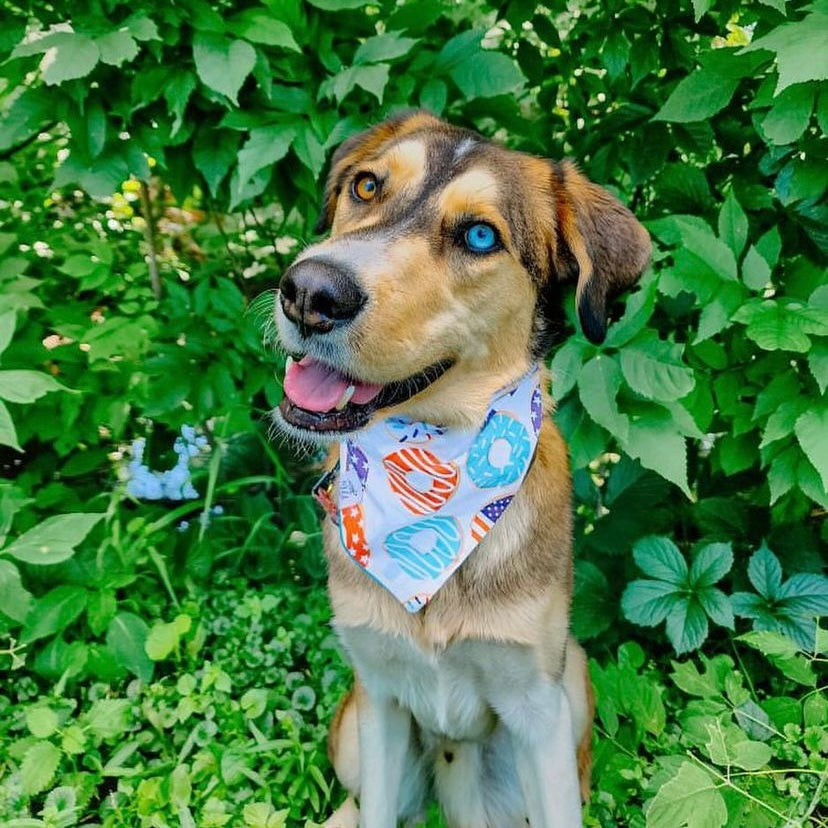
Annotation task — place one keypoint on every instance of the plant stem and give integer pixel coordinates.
(150, 237)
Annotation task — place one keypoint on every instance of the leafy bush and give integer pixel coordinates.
(158, 169)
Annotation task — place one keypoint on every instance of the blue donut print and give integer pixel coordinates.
(423, 549)
(513, 450)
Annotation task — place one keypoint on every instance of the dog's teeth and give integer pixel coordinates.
(289, 360)
(346, 397)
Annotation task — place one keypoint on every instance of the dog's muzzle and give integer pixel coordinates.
(318, 296)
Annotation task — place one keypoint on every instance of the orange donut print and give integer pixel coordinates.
(420, 480)
(352, 527)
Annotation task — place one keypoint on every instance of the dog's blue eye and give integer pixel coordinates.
(481, 238)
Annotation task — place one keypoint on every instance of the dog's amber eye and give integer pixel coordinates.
(365, 186)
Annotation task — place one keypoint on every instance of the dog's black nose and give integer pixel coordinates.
(317, 295)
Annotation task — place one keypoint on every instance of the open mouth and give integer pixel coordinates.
(320, 398)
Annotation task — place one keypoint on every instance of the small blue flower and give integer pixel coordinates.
(174, 484)
(218, 509)
(183, 526)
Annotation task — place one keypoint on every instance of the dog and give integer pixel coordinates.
(438, 288)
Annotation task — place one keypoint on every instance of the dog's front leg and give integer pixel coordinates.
(384, 734)
(544, 743)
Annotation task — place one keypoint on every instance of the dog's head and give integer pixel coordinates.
(440, 277)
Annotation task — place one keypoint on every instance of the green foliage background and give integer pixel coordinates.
(169, 663)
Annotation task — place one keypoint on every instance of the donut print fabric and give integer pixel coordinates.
(415, 499)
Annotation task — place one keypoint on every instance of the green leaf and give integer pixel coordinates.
(654, 369)
(790, 114)
(687, 625)
(141, 27)
(698, 97)
(163, 638)
(769, 246)
(21, 386)
(727, 746)
(660, 558)
(780, 424)
(100, 609)
(125, 637)
(264, 147)
(108, 718)
(818, 364)
(592, 604)
(598, 384)
(566, 366)
(117, 47)
(765, 572)
(733, 224)
(485, 74)
(711, 564)
(774, 326)
(8, 435)
(372, 79)
(38, 767)
(771, 644)
(689, 799)
(261, 27)
(214, 152)
(648, 602)
(177, 92)
(75, 56)
(15, 601)
(800, 50)
(660, 446)
(812, 432)
(638, 310)
(223, 64)
(755, 271)
(339, 5)
(388, 46)
(54, 612)
(805, 593)
(53, 540)
(7, 325)
(42, 721)
(716, 605)
(309, 150)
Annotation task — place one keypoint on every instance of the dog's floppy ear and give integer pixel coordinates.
(598, 240)
(355, 149)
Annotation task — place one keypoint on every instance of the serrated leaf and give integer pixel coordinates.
(53, 540)
(733, 224)
(309, 150)
(8, 434)
(789, 116)
(598, 383)
(117, 47)
(660, 446)
(689, 799)
(648, 602)
(755, 271)
(261, 27)
(38, 767)
(687, 625)
(800, 50)
(53, 612)
(654, 369)
(264, 147)
(8, 320)
(214, 152)
(711, 564)
(592, 608)
(42, 721)
(15, 600)
(566, 365)
(125, 637)
(716, 605)
(811, 431)
(770, 643)
(108, 718)
(775, 326)
(765, 572)
(223, 64)
(638, 310)
(805, 593)
(22, 386)
(387, 46)
(141, 27)
(660, 558)
(818, 364)
(75, 56)
(486, 74)
(697, 97)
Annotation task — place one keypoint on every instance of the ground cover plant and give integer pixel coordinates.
(165, 655)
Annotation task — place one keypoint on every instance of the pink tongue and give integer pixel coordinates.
(315, 386)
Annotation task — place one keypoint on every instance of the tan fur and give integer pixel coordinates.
(428, 301)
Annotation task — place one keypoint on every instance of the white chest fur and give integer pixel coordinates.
(452, 692)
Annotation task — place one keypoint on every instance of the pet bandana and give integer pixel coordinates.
(415, 499)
